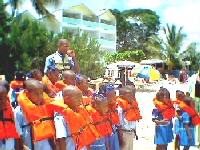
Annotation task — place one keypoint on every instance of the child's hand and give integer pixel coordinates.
(25, 147)
(165, 122)
(190, 138)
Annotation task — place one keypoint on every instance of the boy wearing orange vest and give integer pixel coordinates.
(52, 76)
(35, 120)
(110, 93)
(74, 128)
(101, 121)
(8, 132)
(83, 85)
(129, 113)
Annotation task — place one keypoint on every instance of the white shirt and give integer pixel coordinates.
(62, 131)
(127, 125)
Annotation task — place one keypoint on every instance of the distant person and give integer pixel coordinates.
(63, 58)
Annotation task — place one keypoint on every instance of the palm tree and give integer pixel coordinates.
(173, 43)
(39, 5)
(191, 55)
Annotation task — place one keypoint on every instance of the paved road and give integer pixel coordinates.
(145, 128)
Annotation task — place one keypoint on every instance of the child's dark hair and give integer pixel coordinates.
(5, 85)
(98, 97)
(51, 68)
(80, 78)
(34, 72)
(164, 93)
(20, 75)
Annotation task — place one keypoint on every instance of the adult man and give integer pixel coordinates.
(63, 58)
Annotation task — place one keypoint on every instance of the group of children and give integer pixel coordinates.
(54, 114)
(181, 112)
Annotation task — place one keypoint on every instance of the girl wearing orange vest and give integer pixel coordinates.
(112, 113)
(101, 121)
(35, 119)
(52, 76)
(189, 118)
(74, 128)
(82, 84)
(8, 132)
(162, 116)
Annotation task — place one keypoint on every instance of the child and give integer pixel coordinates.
(179, 98)
(109, 92)
(35, 120)
(50, 79)
(101, 121)
(36, 74)
(129, 113)
(162, 116)
(17, 87)
(82, 84)
(68, 78)
(188, 120)
(74, 129)
(8, 132)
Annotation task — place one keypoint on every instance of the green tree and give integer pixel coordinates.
(4, 44)
(29, 44)
(87, 51)
(39, 5)
(134, 27)
(173, 43)
(135, 56)
(191, 55)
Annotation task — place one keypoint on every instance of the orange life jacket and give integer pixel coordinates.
(60, 85)
(83, 132)
(40, 118)
(7, 124)
(52, 88)
(132, 112)
(102, 123)
(113, 113)
(167, 110)
(16, 84)
(87, 100)
(195, 118)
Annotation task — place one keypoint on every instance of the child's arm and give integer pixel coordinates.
(161, 122)
(107, 145)
(120, 136)
(52, 143)
(188, 132)
(62, 144)
(20, 145)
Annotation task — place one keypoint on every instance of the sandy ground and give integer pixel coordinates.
(145, 127)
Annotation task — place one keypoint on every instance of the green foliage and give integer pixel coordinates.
(29, 42)
(191, 55)
(173, 43)
(133, 34)
(135, 56)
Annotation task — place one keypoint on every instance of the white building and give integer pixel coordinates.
(79, 18)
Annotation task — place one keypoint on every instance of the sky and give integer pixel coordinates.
(182, 13)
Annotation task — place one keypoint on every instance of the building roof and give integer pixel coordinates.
(81, 8)
(105, 14)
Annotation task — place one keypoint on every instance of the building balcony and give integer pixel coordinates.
(107, 43)
(88, 24)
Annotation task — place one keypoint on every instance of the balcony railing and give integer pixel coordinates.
(107, 43)
(94, 25)
(72, 21)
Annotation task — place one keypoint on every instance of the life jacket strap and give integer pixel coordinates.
(40, 120)
(7, 119)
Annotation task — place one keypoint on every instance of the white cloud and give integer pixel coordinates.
(183, 13)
